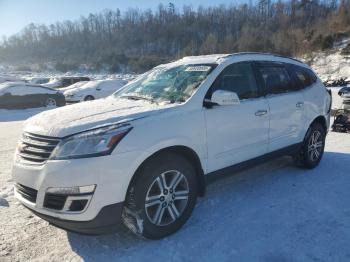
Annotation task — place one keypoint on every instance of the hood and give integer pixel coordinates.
(73, 91)
(80, 117)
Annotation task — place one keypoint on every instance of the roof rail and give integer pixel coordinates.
(259, 53)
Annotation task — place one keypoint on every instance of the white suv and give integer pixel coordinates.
(143, 155)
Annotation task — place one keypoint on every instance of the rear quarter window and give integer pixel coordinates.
(305, 76)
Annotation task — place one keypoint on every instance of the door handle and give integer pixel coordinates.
(299, 104)
(261, 112)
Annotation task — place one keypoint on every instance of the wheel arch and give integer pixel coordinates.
(89, 95)
(319, 119)
(322, 121)
(184, 151)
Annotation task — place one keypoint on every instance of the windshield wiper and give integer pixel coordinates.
(136, 97)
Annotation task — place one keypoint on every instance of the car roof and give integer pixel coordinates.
(246, 56)
(14, 84)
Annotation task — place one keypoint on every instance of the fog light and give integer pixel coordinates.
(77, 190)
(78, 205)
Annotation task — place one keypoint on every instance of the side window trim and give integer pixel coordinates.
(259, 80)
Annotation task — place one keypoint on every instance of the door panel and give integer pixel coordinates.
(236, 133)
(105, 90)
(5, 100)
(286, 105)
(286, 119)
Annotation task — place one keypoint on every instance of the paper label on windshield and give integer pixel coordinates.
(198, 68)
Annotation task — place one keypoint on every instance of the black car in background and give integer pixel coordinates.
(65, 81)
(22, 95)
(344, 90)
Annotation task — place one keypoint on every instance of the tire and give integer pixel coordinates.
(140, 216)
(89, 98)
(50, 102)
(312, 150)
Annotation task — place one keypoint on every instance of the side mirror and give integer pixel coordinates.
(225, 98)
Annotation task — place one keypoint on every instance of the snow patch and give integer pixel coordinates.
(273, 212)
(88, 115)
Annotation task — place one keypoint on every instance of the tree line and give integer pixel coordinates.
(136, 40)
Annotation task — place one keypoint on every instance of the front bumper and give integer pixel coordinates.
(73, 99)
(108, 220)
(110, 174)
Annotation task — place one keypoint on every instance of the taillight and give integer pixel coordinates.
(330, 103)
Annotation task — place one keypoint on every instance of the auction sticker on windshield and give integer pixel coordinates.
(198, 68)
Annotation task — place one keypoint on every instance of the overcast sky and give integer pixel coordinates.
(15, 14)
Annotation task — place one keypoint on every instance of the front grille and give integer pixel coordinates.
(26, 192)
(346, 102)
(36, 148)
(54, 201)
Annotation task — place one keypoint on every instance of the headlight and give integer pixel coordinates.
(98, 142)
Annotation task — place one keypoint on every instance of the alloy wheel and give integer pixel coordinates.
(167, 198)
(315, 146)
(50, 102)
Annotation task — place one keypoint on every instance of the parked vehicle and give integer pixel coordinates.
(75, 85)
(6, 79)
(21, 95)
(38, 80)
(65, 81)
(337, 82)
(142, 156)
(345, 95)
(341, 121)
(93, 90)
(344, 90)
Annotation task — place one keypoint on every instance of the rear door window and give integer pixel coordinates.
(29, 90)
(66, 82)
(276, 79)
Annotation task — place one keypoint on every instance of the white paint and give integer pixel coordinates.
(221, 136)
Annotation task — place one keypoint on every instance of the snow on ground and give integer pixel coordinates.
(272, 212)
(331, 64)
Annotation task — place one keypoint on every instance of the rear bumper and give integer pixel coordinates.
(108, 220)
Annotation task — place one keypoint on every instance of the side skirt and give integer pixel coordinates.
(231, 170)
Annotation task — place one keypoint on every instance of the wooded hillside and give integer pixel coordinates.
(139, 39)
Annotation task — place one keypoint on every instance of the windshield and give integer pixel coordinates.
(175, 84)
